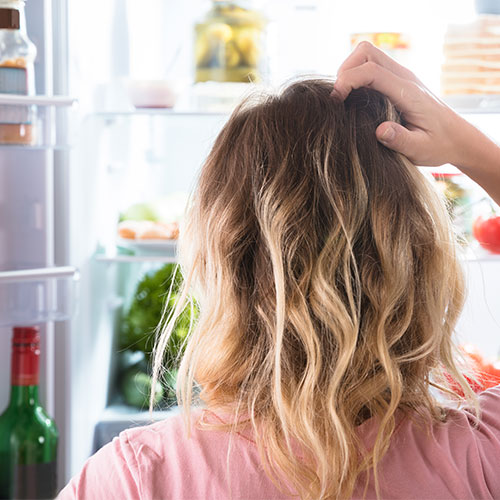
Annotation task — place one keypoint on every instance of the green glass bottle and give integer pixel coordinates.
(28, 436)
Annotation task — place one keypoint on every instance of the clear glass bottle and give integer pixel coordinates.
(230, 43)
(17, 74)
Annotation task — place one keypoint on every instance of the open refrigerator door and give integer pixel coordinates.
(36, 287)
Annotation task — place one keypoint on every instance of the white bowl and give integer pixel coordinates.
(152, 93)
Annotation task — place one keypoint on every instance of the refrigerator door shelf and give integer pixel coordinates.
(35, 296)
(29, 122)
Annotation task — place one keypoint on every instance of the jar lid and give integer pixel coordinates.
(9, 19)
(487, 6)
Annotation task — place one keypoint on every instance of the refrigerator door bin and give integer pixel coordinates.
(37, 295)
(30, 121)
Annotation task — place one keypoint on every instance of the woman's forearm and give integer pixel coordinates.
(479, 158)
(434, 134)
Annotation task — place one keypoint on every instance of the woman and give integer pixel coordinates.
(329, 288)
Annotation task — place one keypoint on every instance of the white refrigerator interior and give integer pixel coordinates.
(480, 321)
(141, 156)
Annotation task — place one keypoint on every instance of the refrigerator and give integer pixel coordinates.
(61, 264)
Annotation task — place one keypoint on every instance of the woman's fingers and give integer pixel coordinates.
(402, 93)
(400, 139)
(366, 52)
(428, 136)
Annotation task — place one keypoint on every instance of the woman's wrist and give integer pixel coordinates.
(478, 157)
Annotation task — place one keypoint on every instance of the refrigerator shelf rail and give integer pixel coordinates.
(36, 274)
(32, 296)
(131, 259)
(464, 104)
(29, 122)
(474, 253)
(171, 113)
(39, 100)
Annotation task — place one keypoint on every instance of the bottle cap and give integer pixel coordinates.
(9, 19)
(25, 355)
(26, 335)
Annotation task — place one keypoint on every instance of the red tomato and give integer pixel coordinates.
(486, 230)
(486, 373)
(490, 376)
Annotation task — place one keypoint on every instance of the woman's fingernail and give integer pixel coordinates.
(388, 135)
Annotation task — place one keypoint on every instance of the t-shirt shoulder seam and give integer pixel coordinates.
(129, 442)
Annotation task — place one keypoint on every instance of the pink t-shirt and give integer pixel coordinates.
(455, 460)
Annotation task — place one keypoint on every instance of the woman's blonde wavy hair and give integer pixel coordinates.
(325, 270)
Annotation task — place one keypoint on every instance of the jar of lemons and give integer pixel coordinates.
(230, 43)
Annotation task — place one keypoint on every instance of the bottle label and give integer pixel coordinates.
(14, 80)
(35, 481)
(25, 364)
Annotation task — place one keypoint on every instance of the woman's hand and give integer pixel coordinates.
(434, 134)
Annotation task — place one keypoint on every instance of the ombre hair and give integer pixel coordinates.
(325, 269)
